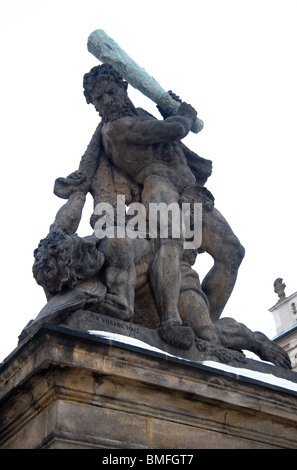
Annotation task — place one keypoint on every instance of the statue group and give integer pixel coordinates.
(135, 276)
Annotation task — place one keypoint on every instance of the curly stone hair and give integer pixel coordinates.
(106, 71)
(59, 261)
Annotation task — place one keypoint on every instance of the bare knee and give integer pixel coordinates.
(237, 253)
(219, 240)
(231, 254)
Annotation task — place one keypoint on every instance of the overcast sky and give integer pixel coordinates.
(233, 60)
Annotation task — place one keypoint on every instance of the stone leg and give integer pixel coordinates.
(237, 336)
(219, 241)
(165, 278)
(194, 310)
(165, 281)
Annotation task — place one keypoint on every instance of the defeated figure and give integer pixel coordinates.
(121, 267)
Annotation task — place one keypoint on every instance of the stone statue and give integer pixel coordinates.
(279, 288)
(144, 278)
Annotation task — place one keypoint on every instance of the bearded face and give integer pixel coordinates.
(110, 100)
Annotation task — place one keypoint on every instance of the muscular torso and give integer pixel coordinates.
(140, 148)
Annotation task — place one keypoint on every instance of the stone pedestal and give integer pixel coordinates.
(68, 389)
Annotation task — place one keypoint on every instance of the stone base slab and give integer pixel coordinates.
(62, 388)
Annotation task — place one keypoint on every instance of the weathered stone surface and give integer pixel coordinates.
(66, 389)
(132, 269)
(200, 350)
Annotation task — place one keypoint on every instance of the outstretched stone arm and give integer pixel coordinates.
(69, 215)
(135, 130)
(76, 186)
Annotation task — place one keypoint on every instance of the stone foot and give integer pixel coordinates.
(178, 335)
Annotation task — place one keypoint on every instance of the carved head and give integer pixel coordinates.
(107, 91)
(279, 287)
(65, 260)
